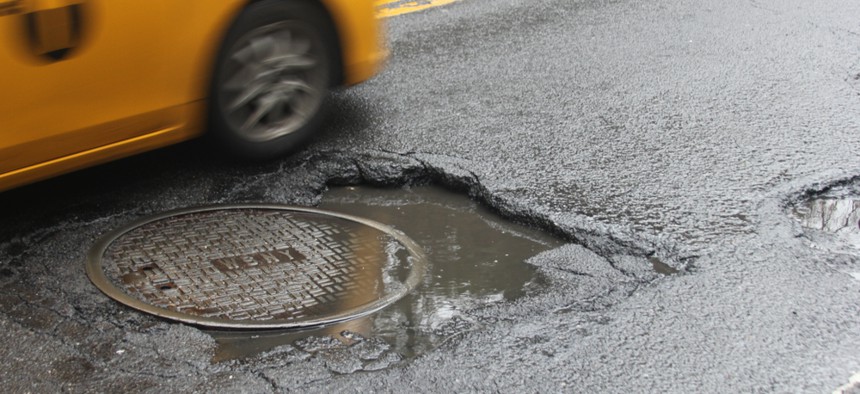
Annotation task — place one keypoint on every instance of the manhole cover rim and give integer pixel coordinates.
(96, 274)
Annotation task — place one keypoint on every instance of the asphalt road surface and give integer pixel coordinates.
(675, 130)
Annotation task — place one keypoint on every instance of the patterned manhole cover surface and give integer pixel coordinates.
(256, 266)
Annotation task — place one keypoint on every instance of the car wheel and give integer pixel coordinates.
(271, 78)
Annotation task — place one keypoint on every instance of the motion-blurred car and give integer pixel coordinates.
(87, 81)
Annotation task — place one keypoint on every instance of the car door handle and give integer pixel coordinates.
(53, 26)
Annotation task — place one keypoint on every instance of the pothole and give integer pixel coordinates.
(831, 222)
(475, 259)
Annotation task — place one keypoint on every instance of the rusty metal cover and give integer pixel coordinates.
(256, 266)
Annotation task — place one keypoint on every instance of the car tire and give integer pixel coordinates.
(271, 78)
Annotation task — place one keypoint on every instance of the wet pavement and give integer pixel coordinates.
(676, 132)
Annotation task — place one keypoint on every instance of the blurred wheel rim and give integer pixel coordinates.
(273, 80)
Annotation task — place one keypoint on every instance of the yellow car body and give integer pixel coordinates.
(87, 81)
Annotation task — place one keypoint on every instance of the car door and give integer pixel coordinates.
(77, 75)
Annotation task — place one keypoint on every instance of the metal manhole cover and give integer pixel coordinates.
(256, 266)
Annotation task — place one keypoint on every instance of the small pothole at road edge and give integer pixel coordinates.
(831, 222)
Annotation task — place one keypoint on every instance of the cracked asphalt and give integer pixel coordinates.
(673, 130)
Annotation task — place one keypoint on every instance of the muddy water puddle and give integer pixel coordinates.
(476, 258)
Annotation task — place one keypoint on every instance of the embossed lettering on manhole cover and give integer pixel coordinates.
(256, 266)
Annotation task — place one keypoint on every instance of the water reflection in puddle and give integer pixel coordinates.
(475, 258)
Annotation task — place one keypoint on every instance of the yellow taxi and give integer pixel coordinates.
(87, 81)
